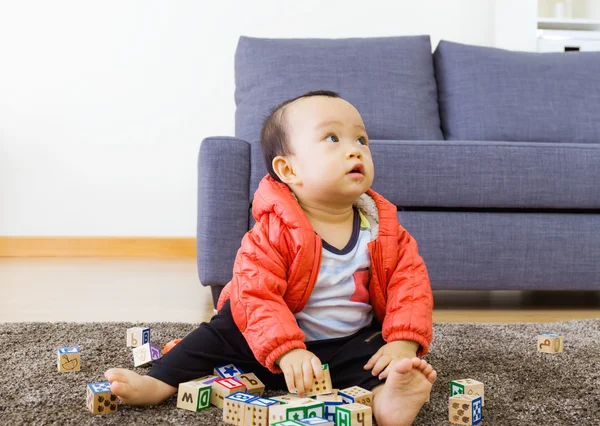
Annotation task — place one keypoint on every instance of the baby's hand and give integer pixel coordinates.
(299, 368)
(398, 349)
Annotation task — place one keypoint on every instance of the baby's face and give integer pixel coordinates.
(331, 156)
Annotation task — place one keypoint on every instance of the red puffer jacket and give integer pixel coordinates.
(278, 262)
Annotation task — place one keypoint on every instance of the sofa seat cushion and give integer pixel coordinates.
(500, 95)
(471, 174)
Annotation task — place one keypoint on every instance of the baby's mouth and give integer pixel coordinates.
(358, 169)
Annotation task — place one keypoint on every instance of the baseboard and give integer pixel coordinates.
(97, 247)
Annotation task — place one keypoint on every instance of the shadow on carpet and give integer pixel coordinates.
(522, 386)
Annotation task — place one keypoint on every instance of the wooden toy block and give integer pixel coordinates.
(137, 336)
(253, 383)
(296, 410)
(69, 359)
(330, 409)
(287, 423)
(465, 409)
(332, 397)
(99, 399)
(145, 354)
(194, 395)
(356, 394)
(321, 386)
(234, 407)
(286, 399)
(316, 421)
(467, 387)
(257, 412)
(353, 415)
(224, 387)
(228, 370)
(550, 343)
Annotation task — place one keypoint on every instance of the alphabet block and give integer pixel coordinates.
(356, 394)
(316, 421)
(286, 399)
(465, 409)
(145, 354)
(353, 415)
(69, 359)
(228, 370)
(296, 410)
(321, 386)
(550, 343)
(253, 383)
(234, 407)
(224, 387)
(287, 423)
(467, 387)
(194, 395)
(99, 399)
(257, 412)
(137, 336)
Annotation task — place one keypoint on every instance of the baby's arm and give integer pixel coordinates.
(409, 300)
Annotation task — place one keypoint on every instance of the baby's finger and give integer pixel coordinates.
(381, 364)
(288, 373)
(317, 368)
(299, 383)
(372, 360)
(307, 369)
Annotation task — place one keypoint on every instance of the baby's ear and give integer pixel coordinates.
(285, 171)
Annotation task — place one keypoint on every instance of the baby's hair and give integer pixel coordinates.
(273, 136)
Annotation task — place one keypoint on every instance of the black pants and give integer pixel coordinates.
(220, 342)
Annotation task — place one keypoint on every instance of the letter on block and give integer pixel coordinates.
(465, 409)
(358, 395)
(225, 387)
(287, 423)
(353, 415)
(257, 412)
(253, 383)
(550, 343)
(234, 407)
(322, 386)
(296, 410)
(194, 395)
(228, 370)
(137, 336)
(145, 354)
(99, 398)
(69, 359)
(316, 421)
(467, 387)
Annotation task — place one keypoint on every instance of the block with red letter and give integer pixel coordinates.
(225, 387)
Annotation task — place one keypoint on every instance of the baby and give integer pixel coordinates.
(327, 275)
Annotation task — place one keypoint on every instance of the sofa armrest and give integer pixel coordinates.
(223, 206)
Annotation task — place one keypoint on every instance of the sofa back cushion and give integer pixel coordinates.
(493, 94)
(390, 80)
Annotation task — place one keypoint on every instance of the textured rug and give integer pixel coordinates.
(522, 386)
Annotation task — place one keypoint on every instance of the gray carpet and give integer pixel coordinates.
(522, 386)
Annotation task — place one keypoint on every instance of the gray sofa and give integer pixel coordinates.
(491, 156)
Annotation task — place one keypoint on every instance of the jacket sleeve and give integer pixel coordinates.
(409, 304)
(258, 308)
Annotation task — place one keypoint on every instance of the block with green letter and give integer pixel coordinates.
(194, 396)
(353, 415)
(467, 387)
(296, 410)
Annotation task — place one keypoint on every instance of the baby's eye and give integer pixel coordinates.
(362, 140)
(332, 138)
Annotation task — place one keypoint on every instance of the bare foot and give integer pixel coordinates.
(398, 401)
(131, 388)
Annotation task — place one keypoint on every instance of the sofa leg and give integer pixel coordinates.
(216, 292)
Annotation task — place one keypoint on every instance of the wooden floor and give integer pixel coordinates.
(146, 290)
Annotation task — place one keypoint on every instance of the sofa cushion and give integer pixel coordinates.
(471, 174)
(493, 94)
(390, 80)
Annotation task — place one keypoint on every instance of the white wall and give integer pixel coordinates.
(103, 105)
